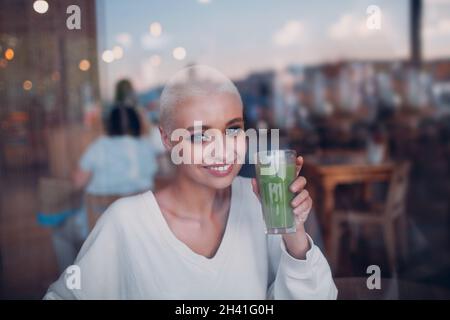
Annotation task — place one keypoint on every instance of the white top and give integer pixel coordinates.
(156, 140)
(120, 165)
(133, 254)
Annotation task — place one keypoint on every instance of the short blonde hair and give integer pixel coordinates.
(193, 81)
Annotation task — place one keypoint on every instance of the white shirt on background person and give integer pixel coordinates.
(119, 165)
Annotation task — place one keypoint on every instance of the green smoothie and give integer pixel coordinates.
(276, 197)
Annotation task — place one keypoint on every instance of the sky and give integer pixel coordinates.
(238, 37)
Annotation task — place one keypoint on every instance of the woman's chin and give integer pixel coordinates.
(220, 185)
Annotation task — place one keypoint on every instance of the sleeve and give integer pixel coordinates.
(95, 273)
(291, 278)
(294, 279)
(90, 157)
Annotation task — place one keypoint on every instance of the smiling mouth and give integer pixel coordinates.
(221, 170)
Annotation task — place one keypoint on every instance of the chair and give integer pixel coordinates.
(384, 216)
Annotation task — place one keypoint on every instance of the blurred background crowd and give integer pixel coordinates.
(367, 105)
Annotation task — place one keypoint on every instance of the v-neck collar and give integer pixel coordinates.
(228, 238)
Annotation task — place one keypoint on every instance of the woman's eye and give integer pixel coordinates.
(200, 137)
(233, 131)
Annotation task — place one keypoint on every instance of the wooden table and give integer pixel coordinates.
(326, 171)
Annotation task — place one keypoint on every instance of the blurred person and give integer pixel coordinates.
(419, 88)
(201, 237)
(387, 97)
(284, 99)
(321, 105)
(377, 144)
(369, 98)
(126, 95)
(120, 163)
(349, 81)
(303, 113)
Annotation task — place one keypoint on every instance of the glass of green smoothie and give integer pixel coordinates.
(275, 171)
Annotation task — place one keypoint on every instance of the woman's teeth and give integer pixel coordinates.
(220, 168)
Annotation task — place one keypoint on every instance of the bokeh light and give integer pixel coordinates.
(40, 6)
(117, 52)
(84, 65)
(179, 53)
(108, 56)
(9, 54)
(156, 29)
(27, 85)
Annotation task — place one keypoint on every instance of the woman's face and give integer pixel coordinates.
(218, 147)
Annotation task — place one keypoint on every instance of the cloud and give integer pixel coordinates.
(348, 26)
(351, 33)
(437, 2)
(353, 27)
(438, 29)
(291, 33)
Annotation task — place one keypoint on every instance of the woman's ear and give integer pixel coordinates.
(165, 139)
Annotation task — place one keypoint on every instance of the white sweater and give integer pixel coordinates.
(132, 254)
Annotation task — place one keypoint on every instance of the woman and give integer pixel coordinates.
(126, 95)
(202, 237)
(121, 162)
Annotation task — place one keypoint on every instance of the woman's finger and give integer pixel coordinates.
(298, 199)
(298, 184)
(299, 164)
(304, 207)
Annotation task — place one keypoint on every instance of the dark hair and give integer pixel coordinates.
(123, 120)
(124, 92)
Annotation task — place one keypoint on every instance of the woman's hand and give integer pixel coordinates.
(297, 243)
(302, 202)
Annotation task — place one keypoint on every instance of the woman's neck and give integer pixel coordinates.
(198, 201)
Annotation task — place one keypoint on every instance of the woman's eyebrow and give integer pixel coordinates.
(235, 120)
(192, 128)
